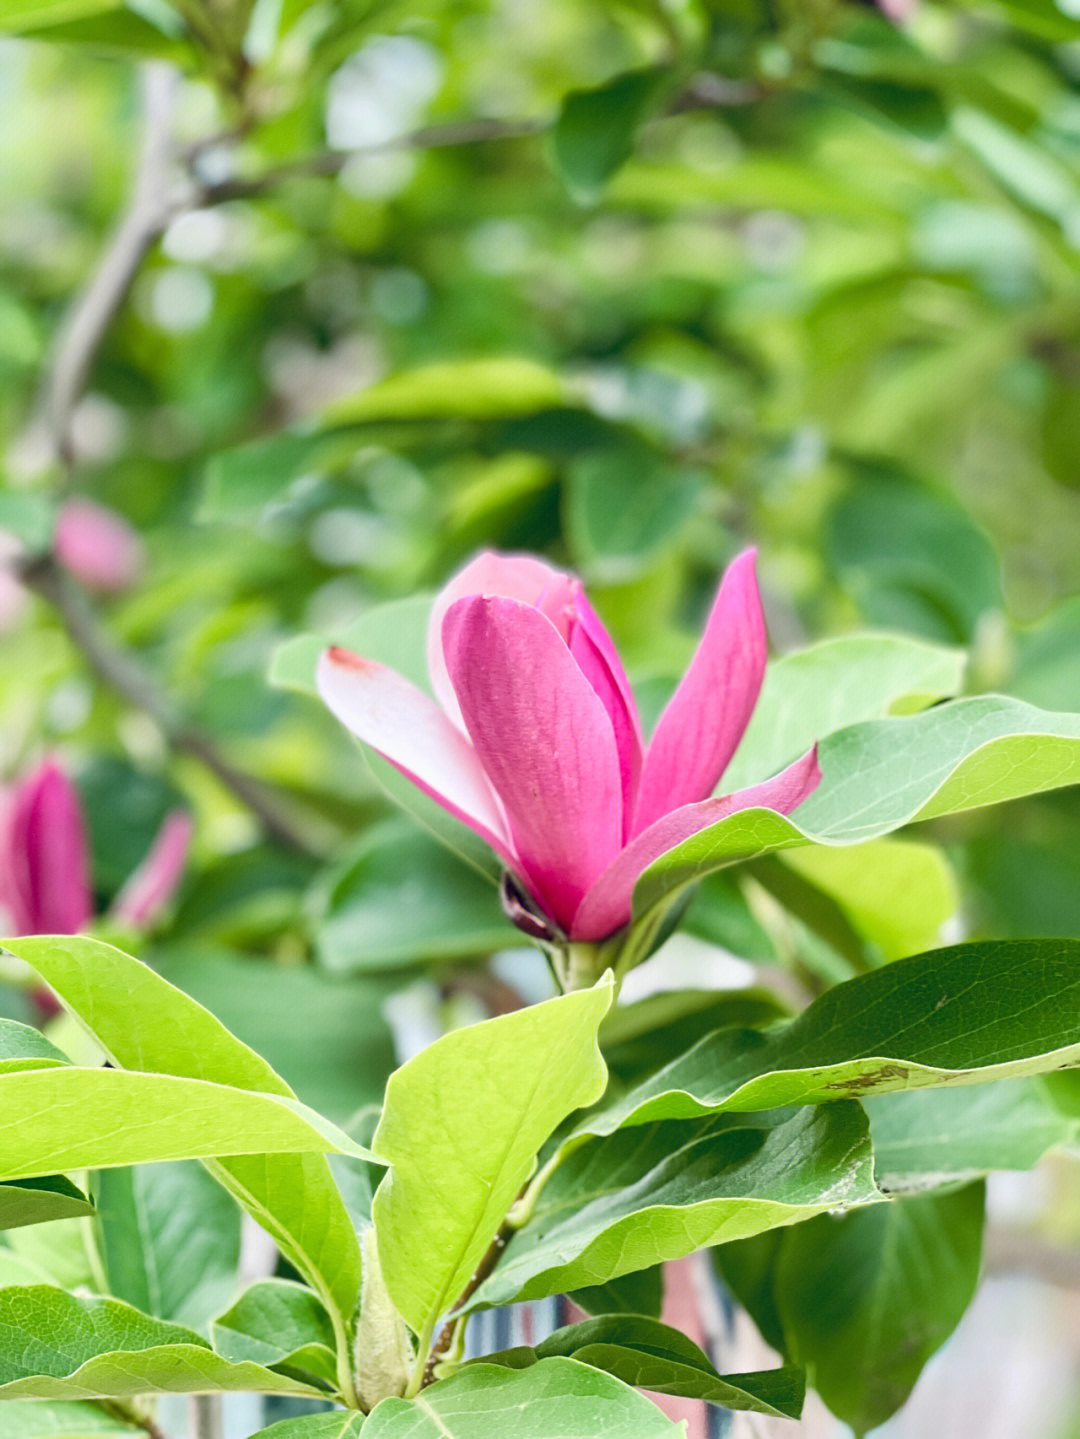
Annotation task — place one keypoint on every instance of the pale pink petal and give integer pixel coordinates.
(704, 721)
(545, 742)
(98, 547)
(599, 662)
(410, 730)
(48, 860)
(149, 889)
(516, 577)
(606, 907)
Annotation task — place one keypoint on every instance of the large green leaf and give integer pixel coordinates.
(71, 1118)
(60, 1346)
(644, 1195)
(461, 1127)
(278, 1323)
(896, 893)
(168, 1237)
(958, 1016)
(650, 1355)
(555, 1397)
(62, 1419)
(809, 693)
(402, 898)
(147, 1024)
(884, 774)
(36, 1201)
(926, 1137)
(865, 1298)
(639, 1293)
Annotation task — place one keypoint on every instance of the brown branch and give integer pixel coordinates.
(122, 673)
(94, 311)
(705, 91)
(483, 1269)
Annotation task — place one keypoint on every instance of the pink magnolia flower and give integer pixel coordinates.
(535, 742)
(45, 862)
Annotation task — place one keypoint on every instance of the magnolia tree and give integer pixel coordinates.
(426, 335)
(573, 1145)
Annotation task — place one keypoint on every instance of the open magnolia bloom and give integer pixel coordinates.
(535, 741)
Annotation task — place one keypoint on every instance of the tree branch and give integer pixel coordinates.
(118, 1409)
(704, 91)
(96, 308)
(122, 673)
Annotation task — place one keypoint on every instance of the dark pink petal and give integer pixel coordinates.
(599, 662)
(704, 721)
(516, 577)
(47, 857)
(399, 721)
(149, 889)
(606, 907)
(545, 742)
(97, 546)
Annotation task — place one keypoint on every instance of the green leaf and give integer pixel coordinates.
(959, 1016)
(36, 1201)
(461, 1128)
(896, 893)
(23, 1047)
(809, 693)
(642, 1196)
(146, 1023)
(402, 898)
(340, 1425)
(887, 773)
(595, 132)
(928, 1137)
(345, 1071)
(867, 1297)
(623, 507)
(72, 1348)
(466, 389)
(278, 1323)
(168, 1237)
(556, 1396)
(636, 1037)
(639, 1293)
(62, 1420)
(70, 1118)
(649, 1355)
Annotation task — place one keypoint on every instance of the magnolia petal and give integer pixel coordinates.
(146, 892)
(47, 861)
(704, 721)
(516, 577)
(407, 728)
(599, 662)
(545, 741)
(607, 905)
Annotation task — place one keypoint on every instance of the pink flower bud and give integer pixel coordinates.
(146, 893)
(98, 547)
(44, 864)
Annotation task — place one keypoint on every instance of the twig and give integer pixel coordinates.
(130, 1415)
(123, 674)
(95, 310)
(328, 163)
(705, 91)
